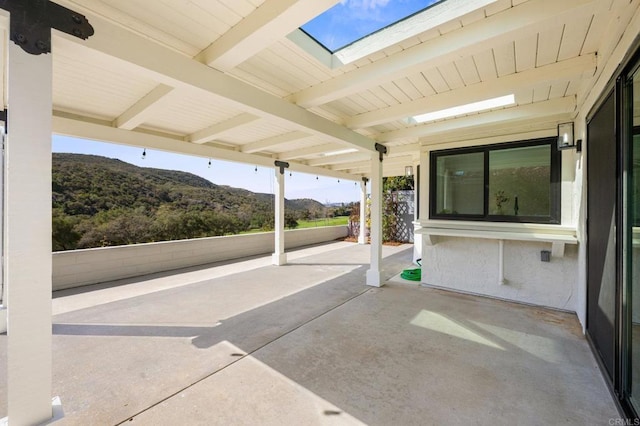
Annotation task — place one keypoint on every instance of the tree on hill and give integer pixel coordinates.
(99, 201)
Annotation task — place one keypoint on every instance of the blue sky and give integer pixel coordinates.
(350, 20)
(299, 185)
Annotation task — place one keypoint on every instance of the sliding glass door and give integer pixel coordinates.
(631, 205)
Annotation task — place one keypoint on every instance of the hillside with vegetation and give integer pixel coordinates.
(99, 201)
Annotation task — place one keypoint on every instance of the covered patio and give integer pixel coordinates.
(503, 195)
(307, 343)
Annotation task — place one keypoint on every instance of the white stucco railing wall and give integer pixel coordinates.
(75, 268)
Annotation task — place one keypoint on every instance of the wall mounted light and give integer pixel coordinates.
(408, 170)
(565, 136)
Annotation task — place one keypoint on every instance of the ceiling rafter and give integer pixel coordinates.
(566, 105)
(526, 18)
(547, 74)
(173, 69)
(139, 112)
(87, 128)
(388, 161)
(220, 129)
(270, 22)
(337, 159)
(310, 150)
(273, 141)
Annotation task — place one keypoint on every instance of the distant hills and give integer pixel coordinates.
(100, 201)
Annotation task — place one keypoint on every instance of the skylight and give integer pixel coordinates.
(352, 20)
(464, 109)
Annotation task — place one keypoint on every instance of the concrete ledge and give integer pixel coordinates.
(75, 268)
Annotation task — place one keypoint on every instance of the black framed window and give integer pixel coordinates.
(510, 182)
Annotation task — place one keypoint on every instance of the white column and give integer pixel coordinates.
(279, 257)
(27, 239)
(423, 186)
(362, 237)
(374, 274)
(416, 190)
(417, 237)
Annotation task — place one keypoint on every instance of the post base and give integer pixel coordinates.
(279, 259)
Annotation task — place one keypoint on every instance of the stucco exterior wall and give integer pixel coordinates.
(472, 265)
(75, 268)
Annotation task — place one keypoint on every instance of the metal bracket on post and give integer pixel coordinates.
(381, 150)
(365, 180)
(283, 165)
(31, 23)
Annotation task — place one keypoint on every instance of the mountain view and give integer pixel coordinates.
(99, 201)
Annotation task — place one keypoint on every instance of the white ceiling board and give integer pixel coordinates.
(497, 7)
(421, 84)
(549, 45)
(408, 88)
(398, 95)
(221, 129)
(260, 29)
(571, 68)
(174, 69)
(573, 37)
(541, 93)
(139, 112)
(255, 131)
(436, 81)
(559, 89)
(486, 65)
(451, 76)
(502, 27)
(526, 52)
(556, 106)
(94, 85)
(468, 70)
(505, 57)
(310, 150)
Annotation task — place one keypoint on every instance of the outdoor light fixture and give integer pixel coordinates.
(408, 170)
(565, 136)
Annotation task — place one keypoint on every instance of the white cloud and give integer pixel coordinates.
(365, 5)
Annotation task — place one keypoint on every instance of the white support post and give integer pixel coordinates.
(374, 274)
(27, 238)
(279, 257)
(362, 236)
(417, 237)
(416, 190)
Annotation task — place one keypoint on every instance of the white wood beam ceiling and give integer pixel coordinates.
(220, 129)
(271, 21)
(76, 126)
(267, 143)
(337, 159)
(547, 74)
(528, 18)
(141, 110)
(311, 150)
(175, 70)
(564, 106)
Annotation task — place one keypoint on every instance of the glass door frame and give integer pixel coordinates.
(621, 85)
(628, 131)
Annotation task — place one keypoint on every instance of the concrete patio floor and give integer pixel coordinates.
(308, 343)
